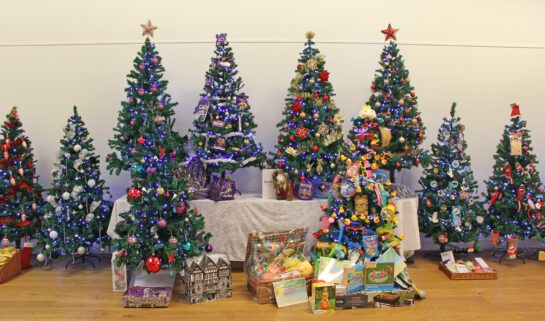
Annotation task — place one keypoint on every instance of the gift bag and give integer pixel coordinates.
(222, 189)
(26, 255)
(119, 275)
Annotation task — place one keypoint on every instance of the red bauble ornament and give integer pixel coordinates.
(167, 194)
(299, 98)
(133, 151)
(180, 209)
(420, 136)
(153, 264)
(324, 76)
(417, 161)
(141, 140)
(406, 110)
(413, 94)
(325, 97)
(155, 60)
(162, 223)
(314, 148)
(442, 239)
(303, 178)
(132, 122)
(402, 80)
(279, 153)
(133, 193)
(280, 164)
(331, 120)
(292, 138)
(398, 164)
(393, 71)
(401, 119)
(141, 66)
(315, 95)
(299, 67)
(141, 92)
(153, 89)
(373, 86)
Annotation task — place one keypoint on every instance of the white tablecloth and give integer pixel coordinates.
(229, 222)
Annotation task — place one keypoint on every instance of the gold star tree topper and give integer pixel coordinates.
(148, 28)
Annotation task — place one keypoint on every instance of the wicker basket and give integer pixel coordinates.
(262, 290)
(11, 268)
(468, 276)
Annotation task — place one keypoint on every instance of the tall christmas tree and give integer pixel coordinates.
(449, 209)
(77, 212)
(223, 129)
(161, 228)
(148, 107)
(20, 194)
(514, 191)
(394, 101)
(311, 129)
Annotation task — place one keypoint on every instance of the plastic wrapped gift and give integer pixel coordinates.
(147, 297)
(275, 256)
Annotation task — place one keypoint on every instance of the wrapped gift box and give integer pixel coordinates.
(11, 265)
(147, 297)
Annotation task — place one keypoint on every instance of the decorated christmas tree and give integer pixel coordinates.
(514, 193)
(395, 102)
(449, 209)
(148, 108)
(77, 211)
(224, 128)
(20, 194)
(161, 228)
(311, 128)
(359, 221)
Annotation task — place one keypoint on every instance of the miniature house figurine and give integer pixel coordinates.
(207, 278)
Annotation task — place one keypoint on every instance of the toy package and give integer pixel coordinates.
(272, 257)
(322, 299)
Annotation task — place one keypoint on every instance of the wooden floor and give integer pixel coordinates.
(85, 294)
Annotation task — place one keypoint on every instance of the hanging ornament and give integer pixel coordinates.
(133, 193)
(91, 183)
(141, 140)
(402, 139)
(208, 248)
(301, 132)
(12, 181)
(442, 239)
(160, 190)
(81, 250)
(324, 76)
(162, 223)
(65, 196)
(21, 170)
(53, 234)
(40, 257)
(5, 241)
(76, 148)
(89, 217)
(153, 264)
(132, 240)
(23, 216)
(172, 240)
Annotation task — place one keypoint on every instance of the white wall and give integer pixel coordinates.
(484, 55)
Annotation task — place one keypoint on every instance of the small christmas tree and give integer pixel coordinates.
(224, 128)
(514, 191)
(77, 213)
(311, 129)
(161, 228)
(394, 101)
(148, 107)
(20, 194)
(449, 210)
(360, 218)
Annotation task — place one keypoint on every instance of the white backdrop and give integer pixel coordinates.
(485, 55)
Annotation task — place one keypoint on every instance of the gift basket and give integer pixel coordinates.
(272, 257)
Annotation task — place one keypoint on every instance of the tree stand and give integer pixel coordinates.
(82, 259)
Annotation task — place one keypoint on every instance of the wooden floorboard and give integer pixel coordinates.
(85, 294)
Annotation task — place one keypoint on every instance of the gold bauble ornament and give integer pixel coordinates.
(316, 116)
(303, 115)
(160, 190)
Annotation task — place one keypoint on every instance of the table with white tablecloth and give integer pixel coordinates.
(229, 222)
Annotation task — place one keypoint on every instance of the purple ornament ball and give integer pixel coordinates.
(208, 248)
